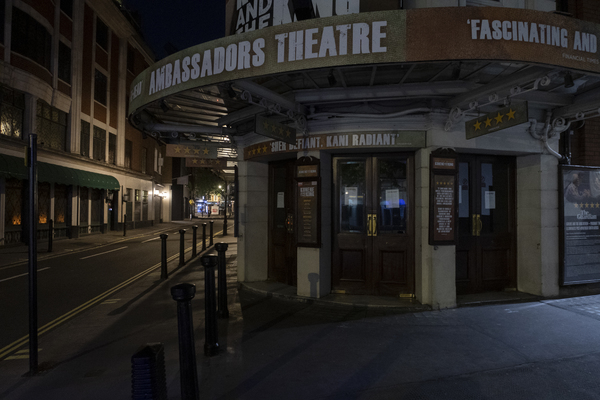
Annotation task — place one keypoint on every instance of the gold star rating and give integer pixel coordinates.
(194, 161)
(187, 150)
(177, 149)
(488, 122)
(511, 114)
(266, 125)
(576, 205)
(498, 118)
(206, 150)
(196, 151)
(477, 125)
(587, 205)
(265, 149)
(203, 162)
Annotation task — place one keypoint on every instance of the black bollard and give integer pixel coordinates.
(195, 228)
(164, 274)
(181, 247)
(183, 293)
(222, 280)
(210, 243)
(125, 225)
(204, 236)
(211, 341)
(50, 234)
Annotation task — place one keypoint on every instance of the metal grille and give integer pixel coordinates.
(83, 206)
(60, 204)
(99, 144)
(85, 139)
(51, 126)
(43, 202)
(11, 112)
(97, 207)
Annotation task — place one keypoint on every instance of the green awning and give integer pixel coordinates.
(14, 167)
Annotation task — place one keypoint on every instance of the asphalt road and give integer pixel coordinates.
(79, 279)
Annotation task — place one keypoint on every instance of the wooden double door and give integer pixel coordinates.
(373, 249)
(486, 249)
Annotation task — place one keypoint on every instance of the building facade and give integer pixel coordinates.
(409, 148)
(65, 72)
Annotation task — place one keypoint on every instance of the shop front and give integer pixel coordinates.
(377, 156)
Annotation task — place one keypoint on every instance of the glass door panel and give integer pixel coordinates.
(352, 202)
(393, 195)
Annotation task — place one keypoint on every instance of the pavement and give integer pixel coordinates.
(276, 345)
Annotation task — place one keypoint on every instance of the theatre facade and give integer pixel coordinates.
(415, 152)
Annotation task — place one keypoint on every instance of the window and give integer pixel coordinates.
(112, 149)
(101, 34)
(84, 148)
(51, 126)
(128, 153)
(66, 6)
(30, 38)
(12, 108)
(64, 62)
(130, 59)
(100, 85)
(144, 159)
(99, 144)
(145, 206)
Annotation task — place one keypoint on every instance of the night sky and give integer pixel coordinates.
(182, 23)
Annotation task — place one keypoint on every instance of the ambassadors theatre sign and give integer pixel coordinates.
(395, 36)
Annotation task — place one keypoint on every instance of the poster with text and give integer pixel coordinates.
(581, 225)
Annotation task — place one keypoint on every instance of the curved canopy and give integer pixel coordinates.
(374, 65)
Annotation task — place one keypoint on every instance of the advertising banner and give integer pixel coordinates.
(580, 232)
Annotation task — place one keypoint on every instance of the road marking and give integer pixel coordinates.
(105, 252)
(10, 348)
(149, 240)
(17, 276)
(110, 301)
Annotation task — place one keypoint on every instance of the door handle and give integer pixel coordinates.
(371, 225)
(479, 225)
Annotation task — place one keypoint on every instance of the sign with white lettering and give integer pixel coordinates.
(394, 36)
(442, 200)
(406, 139)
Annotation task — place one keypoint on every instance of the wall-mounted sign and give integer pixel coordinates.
(217, 163)
(190, 150)
(580, 223)
(308, 232)
(496, 121)
(307, 171)
(442, 201)
(400, 139)
(267, 127)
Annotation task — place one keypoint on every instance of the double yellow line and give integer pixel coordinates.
(14, 346)
(5, 351)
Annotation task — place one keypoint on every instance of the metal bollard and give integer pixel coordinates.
(210, 243)
(181, 247)
(204, 236)
(50, 234)
(195, 229)
(164, 274)
(211, 341)
(183, 293)
(125, 225)
(222, 280)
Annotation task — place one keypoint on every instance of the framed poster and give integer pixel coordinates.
(308, 225)
(443, 200)
(579, 206)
